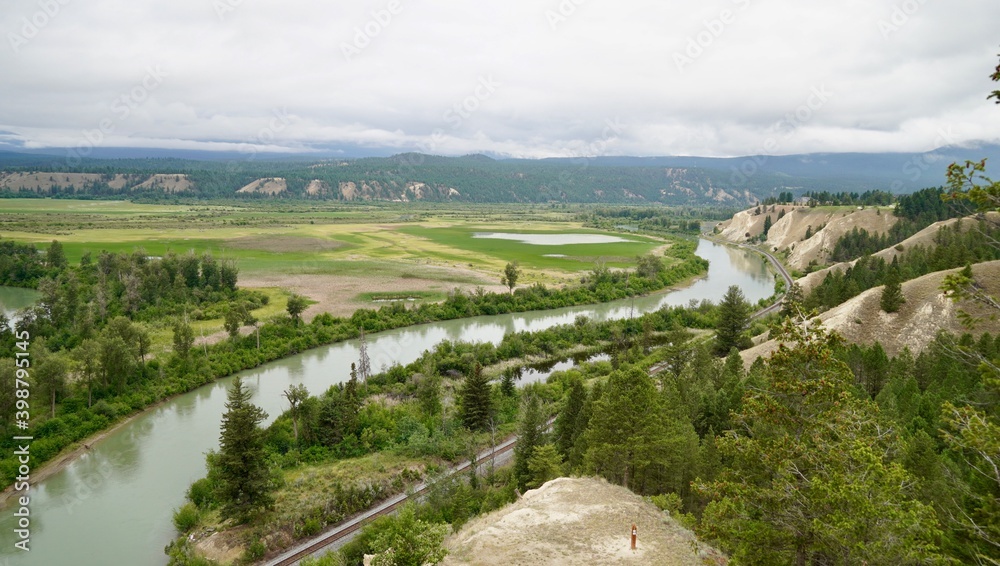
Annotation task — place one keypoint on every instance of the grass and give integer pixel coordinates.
(326, 238)
(162, 334)
(457, 244)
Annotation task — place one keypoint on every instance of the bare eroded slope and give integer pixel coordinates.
(926, 310)
(825, 225)
(576, 521)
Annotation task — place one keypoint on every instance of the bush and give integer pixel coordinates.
(186, 518)
(202, 493)
(102, 407)
(255, 551)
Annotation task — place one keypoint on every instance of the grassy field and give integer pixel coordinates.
(342, 256)
(273, 239)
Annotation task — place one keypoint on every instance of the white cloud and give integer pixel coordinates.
(899, 72)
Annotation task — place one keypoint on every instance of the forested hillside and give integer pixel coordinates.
(404, 177)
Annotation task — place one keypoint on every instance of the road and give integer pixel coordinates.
(657, 368)
(781, 271)
(344, 532)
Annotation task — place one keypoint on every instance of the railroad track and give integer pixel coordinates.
(346, 530)
(657, 368)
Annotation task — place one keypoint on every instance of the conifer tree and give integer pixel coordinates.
(477, 402)
(244, 479)
(632, 440)
(734, 316)
(568, 416)
(529, 436)
(892, 293)
(809, 480)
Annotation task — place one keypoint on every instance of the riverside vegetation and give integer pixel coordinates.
(92, 342)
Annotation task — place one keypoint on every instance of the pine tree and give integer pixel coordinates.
(792, 302)
(808, 479)
(545, 464)
(244, 479)
(892, 293)
(767, 225)
(477, 402)
(734, 317)
(570, 413)
(630, 438)
(529, 436)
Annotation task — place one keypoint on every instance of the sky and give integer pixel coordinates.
(519, 78)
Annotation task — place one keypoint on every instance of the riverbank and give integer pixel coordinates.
(327, 331)
(155, 458)
(73, 452)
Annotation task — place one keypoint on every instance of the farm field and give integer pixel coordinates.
(342, 257)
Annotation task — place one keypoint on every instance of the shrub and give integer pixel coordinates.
(186, 518)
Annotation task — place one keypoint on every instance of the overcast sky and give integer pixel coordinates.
(530, 78)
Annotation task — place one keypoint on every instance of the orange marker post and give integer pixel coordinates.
(634, 533)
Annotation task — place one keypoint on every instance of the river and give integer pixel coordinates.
(114, 505)
(13, 299)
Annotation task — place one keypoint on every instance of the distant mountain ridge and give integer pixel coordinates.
(675, 180)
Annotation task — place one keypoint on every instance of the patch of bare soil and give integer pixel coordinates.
(577, 521)
(338, 294)
(926, 310)
(821, 244)
(317, 187)
(924, 237)
(45, 181)
(283, 244)
(222, 547)
(268, 186)
(167, 183)
(825, 227)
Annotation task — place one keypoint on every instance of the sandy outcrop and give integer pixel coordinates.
(267, 186)
(924, 237)
(577, 521)
(926, 311)
(825, 225)
(167, 183)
